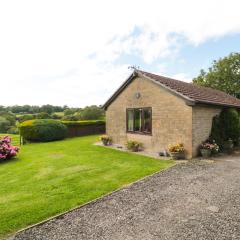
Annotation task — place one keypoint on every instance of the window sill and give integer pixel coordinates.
(140, 133)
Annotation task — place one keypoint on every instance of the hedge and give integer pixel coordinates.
(83, 128)
(42, 130)
(84, 123)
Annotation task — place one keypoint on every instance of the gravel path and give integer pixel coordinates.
(188, 201)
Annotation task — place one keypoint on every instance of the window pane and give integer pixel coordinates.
(130, 120)
(137, 120)
(147, 120)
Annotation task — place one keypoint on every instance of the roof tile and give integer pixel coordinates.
(198, 94)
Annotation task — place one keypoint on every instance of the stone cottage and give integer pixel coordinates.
(159, 111)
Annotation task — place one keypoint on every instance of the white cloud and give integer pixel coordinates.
(182, 76)
(45, 45)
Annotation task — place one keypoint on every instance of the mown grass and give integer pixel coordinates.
(50, 178)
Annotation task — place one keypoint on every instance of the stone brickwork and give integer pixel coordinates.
(171, 117)
(202, 124)
(173, 121)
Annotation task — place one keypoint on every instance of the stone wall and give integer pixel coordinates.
(171, 117)
(202, 124)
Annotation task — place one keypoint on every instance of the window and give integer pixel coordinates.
(139, 120)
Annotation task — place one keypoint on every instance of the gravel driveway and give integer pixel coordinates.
(188, 201)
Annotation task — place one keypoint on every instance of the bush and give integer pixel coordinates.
(4, 125)
(7, 151)
(43, 115)
(26, 117)
(179, 148)
(106, 140)
(229, 123)
(134, 146)
(70, 118)
(84, 123)
(226, 126)
(90, 113)
(216, 133)
(13, 130)
(43, 130)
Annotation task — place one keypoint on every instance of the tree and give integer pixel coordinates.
(91, 113)
(224, 75)
(4, 125)
(43, 115)
(47, 108)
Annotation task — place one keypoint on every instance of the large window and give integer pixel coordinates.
(139, 120)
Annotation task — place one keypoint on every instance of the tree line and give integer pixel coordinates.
(12, 115)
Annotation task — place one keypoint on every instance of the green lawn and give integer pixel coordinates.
(50, 178)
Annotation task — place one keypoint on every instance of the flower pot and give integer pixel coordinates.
(228, 146)
(177, 155)
(135, 149)
(206, 153)
(105, 142)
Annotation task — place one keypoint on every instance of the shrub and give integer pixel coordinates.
(26, 117)
(91, 113)
(4, 125)
(229, 124)
(225, 126)
(69, 118)
(43, 115)
(134, 146)
(106, 140)
(216, 133)
(13, 130)
(7, 151)
(55, 116)
(84, 123)
(43, 130)
(179, 148)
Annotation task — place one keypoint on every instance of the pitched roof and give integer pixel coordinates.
(189, 91)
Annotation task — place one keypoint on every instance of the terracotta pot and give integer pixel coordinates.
(206, 153)
(177, 155)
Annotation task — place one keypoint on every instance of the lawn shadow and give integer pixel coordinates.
(5, 161)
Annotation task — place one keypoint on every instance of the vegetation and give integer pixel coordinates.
(11, 116)
(106, 140)
(179, 148)
(224, 75)
(210, 145)
(134, 146)
(42, 130)
(7, 150)
(84, 123)
(226, 126)
(50, 178)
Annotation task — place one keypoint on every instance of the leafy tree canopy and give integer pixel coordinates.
(224, 75)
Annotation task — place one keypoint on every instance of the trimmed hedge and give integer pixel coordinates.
(84, 128)
(42, 130)
(84, 123)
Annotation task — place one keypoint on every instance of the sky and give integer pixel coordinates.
(77, 53)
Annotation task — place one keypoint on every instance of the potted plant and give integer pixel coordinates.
(106, 140)
(228, 145)
(177, 151)
(134, 146)
(206, 149)
(215, 148)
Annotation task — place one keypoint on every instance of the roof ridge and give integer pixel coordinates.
(190, 92)
(188, 83)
